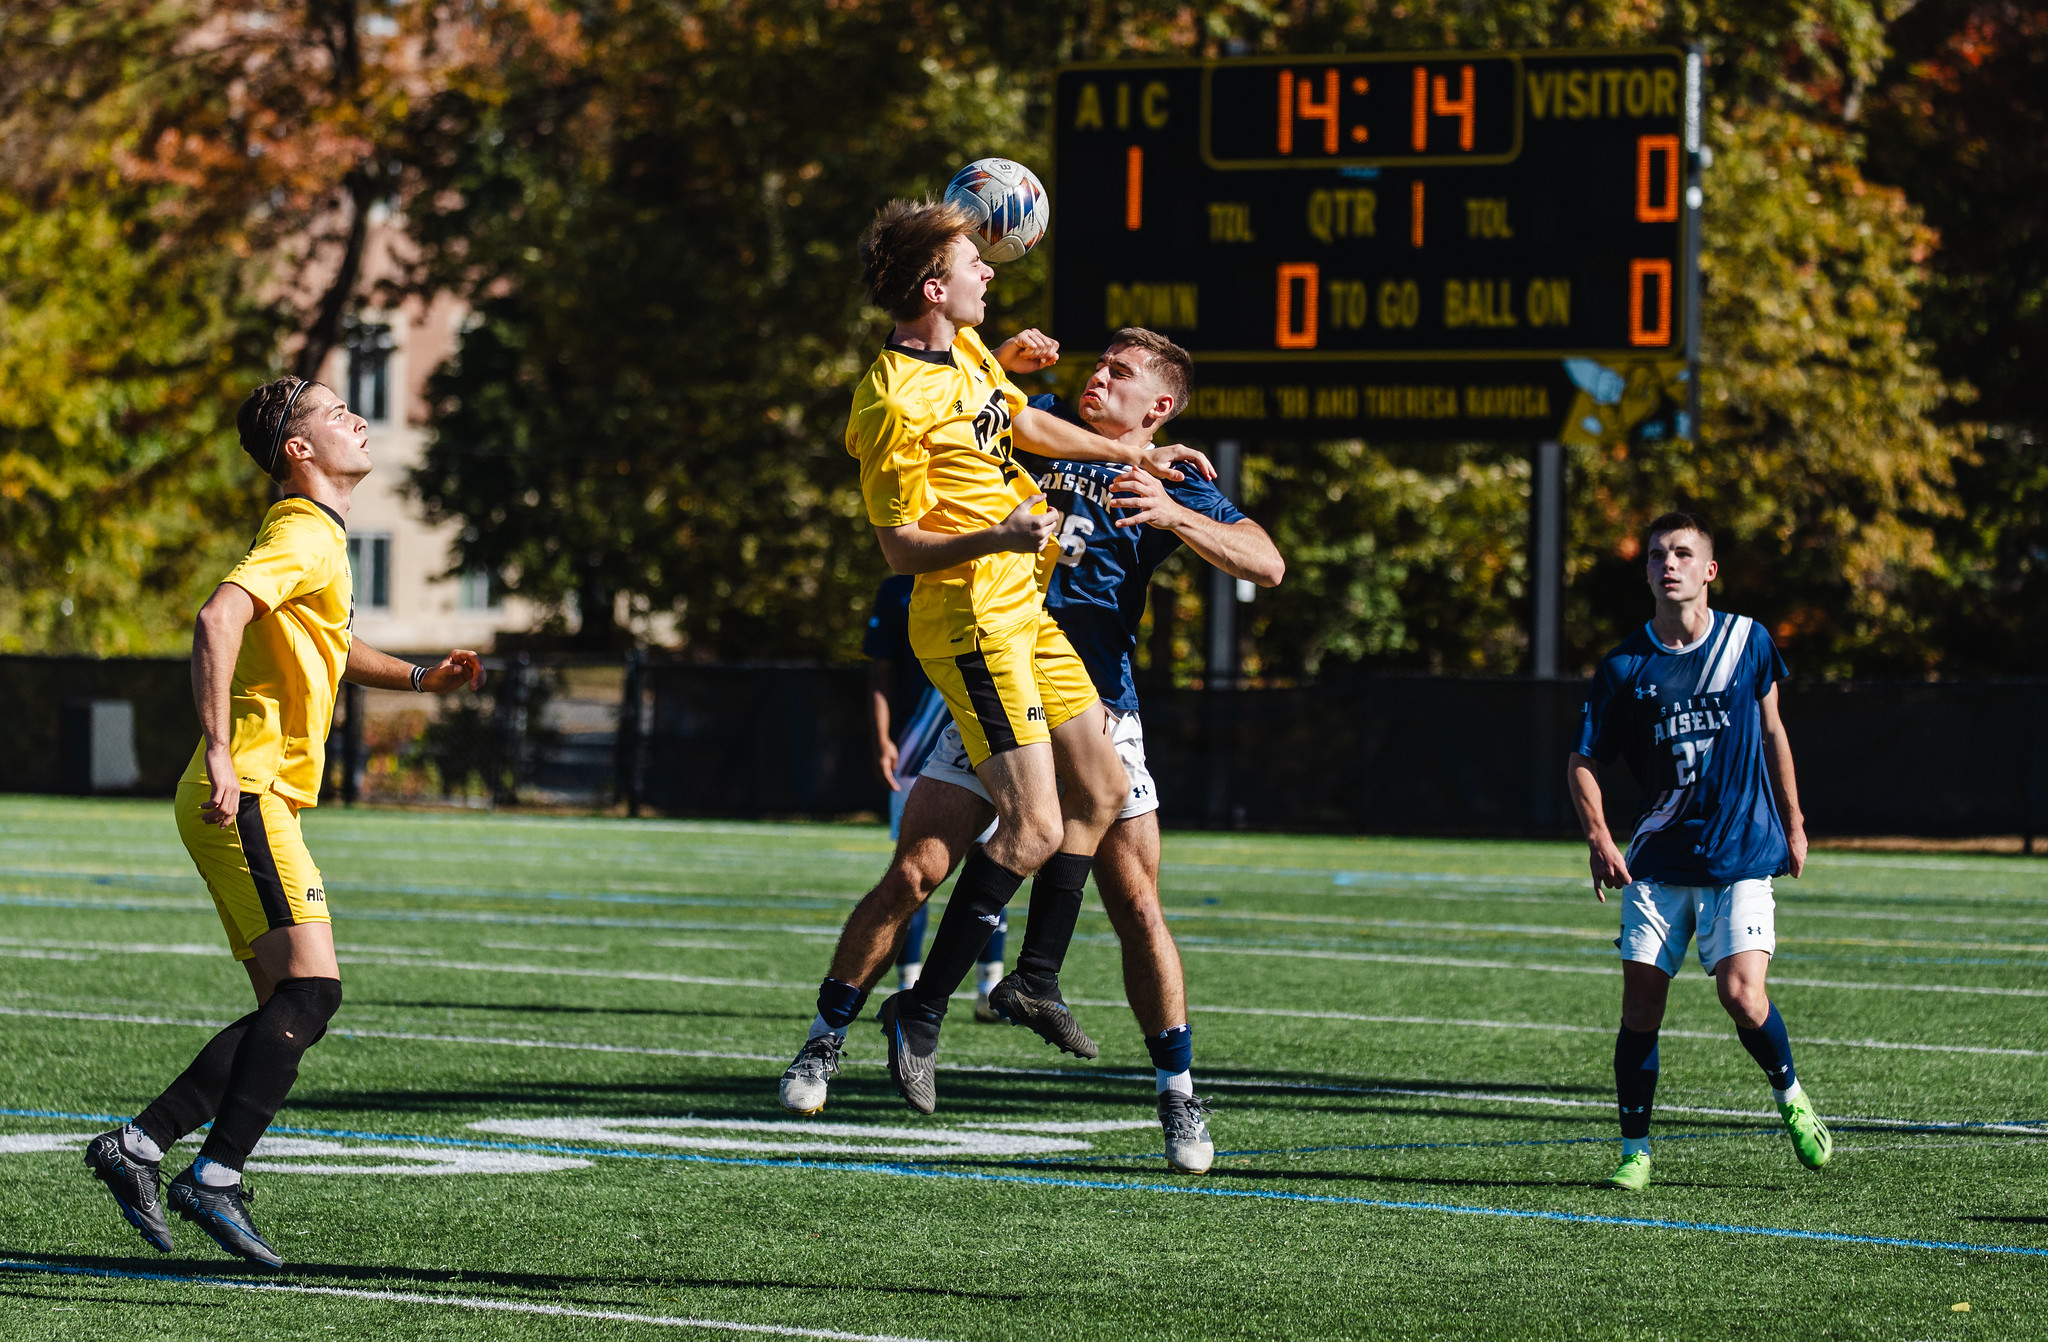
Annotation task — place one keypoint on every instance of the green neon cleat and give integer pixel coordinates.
(1633, 1173)
(1810, 1137)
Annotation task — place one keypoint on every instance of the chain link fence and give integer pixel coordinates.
(1371, 754)
(543, 731)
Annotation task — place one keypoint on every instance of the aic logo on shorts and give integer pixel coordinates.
(1034, 714)
(315, 895)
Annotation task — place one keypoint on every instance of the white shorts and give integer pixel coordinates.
(1658, 920)
(948, 764)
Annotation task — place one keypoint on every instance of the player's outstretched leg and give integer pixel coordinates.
(1031, 995)
(128, 1160)
(805, 1084)
(1740, 981)
(939, 824)
(1127, 872)
(1644, 988)
(210, 1194)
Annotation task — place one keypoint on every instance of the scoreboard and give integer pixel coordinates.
(1400, 245)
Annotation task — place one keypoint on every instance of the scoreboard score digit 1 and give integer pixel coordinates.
(1417, 236)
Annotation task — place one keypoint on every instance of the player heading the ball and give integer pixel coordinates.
(934, 424)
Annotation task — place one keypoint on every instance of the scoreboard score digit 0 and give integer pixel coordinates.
(1418, 237)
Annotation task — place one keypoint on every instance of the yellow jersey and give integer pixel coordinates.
(293, 653)
(931, 431)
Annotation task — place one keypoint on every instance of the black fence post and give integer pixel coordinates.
(626, 759)
(2037, 693)
(351, 743)
(509, 738)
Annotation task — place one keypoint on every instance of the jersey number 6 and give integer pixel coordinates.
(1074, 534)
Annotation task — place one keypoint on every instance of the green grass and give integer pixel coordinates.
(1480, 1079)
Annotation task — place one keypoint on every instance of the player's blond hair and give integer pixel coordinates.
(909, 242)
(1169, 362)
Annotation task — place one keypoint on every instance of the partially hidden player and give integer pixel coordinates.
(270, 649)
(1120, 526)
(1690, 700)
(934, 425)
(907, 716)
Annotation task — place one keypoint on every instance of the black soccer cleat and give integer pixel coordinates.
(223, 1213)
(913, 1054)
(136, 1185)
(1016, 1002)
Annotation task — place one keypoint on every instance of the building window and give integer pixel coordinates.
(369, 560)
(481, 590)
(369, 362)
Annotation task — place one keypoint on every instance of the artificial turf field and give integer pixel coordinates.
(548, 1106)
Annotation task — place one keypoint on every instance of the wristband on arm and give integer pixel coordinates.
(419, 674)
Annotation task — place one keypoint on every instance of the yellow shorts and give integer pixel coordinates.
(1015, 687)
(258, 870)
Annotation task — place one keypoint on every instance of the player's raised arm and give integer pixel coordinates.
(1242, 549)
(1050, 436)
(381, 671)
(1608, 866)
(1778, 759)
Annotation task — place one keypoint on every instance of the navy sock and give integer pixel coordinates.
(839, 1003)
(1055, 909)
(1635, 1079)
(992, 954)
(913, 939)
(984, 887)
(1771, 1047)
(1173, 1051)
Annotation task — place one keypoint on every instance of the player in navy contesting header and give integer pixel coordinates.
(1690, 700)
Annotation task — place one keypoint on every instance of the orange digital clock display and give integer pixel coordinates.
(1374, 111)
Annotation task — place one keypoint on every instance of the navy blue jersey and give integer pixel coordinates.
(1688, 723)
(1098, 587)
(888, 640)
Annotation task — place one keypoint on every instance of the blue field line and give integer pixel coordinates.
(912, 1171)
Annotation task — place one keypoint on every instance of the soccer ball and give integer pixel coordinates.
(1010, 203)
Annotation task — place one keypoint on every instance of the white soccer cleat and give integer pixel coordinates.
(805, 1084)
(1188, 1148)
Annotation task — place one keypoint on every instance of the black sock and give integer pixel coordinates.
(1055, 908)
(984, 887)
(1635, 1079)
(190, 1102)
(267, 1063)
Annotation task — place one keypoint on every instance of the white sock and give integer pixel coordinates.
(1634, 1146)
(818, 1027)
(139, 1144)
(906, 975)
(214, 1174)
(1184, 1082)
(991, 975)
(1787, 1095)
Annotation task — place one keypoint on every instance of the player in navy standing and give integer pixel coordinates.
(1690, 700)
(1115, 531)
(907, 714)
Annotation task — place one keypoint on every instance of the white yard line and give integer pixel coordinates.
(473, 1302)
(1607, 970)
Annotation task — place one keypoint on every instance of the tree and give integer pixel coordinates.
(654, 217)
(183, 194)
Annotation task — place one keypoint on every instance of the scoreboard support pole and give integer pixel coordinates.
(1546, 560)
(1222, 659)
(1219, 725)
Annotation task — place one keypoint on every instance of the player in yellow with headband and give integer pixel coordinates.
(270, 650)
